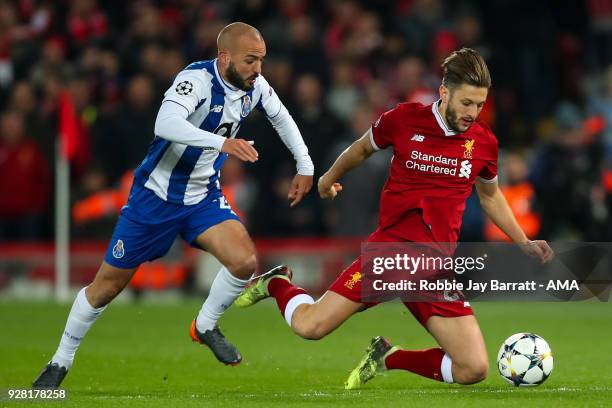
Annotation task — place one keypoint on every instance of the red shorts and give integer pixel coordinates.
(348, 285)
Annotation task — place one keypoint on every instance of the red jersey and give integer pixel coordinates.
(432, 171)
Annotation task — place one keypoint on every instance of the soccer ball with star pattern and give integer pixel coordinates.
(524, 360)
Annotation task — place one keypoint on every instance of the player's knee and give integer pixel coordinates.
(473, 372)
(243, 267)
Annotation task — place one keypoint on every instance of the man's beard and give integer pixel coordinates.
(453, 121)
(234, 78)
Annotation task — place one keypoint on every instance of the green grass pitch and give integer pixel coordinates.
(140, 355)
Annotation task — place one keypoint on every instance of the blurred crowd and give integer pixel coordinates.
(337, 65)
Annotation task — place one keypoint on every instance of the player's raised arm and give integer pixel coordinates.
(496, 207)
(171, 123)
(285, 126)
(350, 158)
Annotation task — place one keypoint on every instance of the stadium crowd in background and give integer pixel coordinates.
(337, 65)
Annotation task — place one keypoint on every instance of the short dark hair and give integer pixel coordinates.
(465, 66)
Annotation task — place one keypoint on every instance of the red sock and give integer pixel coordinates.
(422, 362)
(283, 291)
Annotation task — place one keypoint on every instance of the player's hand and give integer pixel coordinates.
(300, 186)
(328, 188)
(538, 249)
(240, 148)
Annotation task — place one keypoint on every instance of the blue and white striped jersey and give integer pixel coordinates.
(185, 173)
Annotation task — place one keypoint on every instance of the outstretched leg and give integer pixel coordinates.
(136, 239)
(307, 318)
(87, 307)
(315, 321)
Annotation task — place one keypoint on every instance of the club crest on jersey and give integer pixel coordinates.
(355, 278)
(469, 147)
(246, 106)
(118, 250)
(184, 88)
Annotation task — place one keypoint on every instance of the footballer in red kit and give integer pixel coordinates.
(432, 174)
(440, 152)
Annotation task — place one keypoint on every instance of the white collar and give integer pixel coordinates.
(441, 123)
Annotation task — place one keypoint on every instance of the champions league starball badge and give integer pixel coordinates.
(184, 88)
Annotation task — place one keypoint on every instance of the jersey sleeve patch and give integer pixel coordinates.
(188, 90)
(184, 88)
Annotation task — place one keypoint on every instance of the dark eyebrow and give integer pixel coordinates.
(471, 101)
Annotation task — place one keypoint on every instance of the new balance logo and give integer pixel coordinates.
(466, 169)
(217, 108)
(418, 138)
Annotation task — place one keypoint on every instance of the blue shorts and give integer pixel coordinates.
(148, 226)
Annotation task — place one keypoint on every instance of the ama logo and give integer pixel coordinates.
(118, 250)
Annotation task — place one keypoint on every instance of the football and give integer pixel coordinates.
(525, 359)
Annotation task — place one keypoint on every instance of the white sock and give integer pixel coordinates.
(224, 290)
(293, 304)
(81, 317)
(447, 369)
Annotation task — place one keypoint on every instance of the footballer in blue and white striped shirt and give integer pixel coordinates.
(176, 191)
